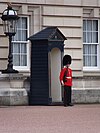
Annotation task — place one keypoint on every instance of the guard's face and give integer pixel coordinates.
(67, 65)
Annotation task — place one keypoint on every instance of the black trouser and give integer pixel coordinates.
(67, 95)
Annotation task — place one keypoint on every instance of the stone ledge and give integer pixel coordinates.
(11, 77)
(12, 81)
(12, 92)
(96, 88)
(87, 77)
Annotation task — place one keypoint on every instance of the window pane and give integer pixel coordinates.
(89, 25)
(84, 61)
(95, 25)
(84, 46)
(95, 37)
(16, 48)
(24, 23)
(19, 35)
(23, 60)
(23, 48)
(24, 35)
(19, 23)
(94, 49)
(16, 60)
(90, 55)
(94, 61)
(89, 37)
(84, 25)
(87, 61)
(84, 36)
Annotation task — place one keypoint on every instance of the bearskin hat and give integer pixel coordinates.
(67, 60)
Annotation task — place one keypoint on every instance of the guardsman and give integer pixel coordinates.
(66, 80)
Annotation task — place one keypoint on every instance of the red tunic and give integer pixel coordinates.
(68, 81)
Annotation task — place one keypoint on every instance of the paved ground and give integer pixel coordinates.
(50, 119)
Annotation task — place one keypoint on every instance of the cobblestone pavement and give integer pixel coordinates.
(50, 119)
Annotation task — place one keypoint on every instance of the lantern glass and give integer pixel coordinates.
(9, 27)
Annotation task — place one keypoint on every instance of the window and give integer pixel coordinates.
(90, 43)
(20, 45)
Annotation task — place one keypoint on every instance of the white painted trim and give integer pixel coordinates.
(25, 68)
(98, 51)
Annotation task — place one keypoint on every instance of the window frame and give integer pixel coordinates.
(27, 67)
(92, 68)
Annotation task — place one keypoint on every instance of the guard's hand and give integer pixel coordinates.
(62, 83)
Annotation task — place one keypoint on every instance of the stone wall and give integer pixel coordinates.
(86, 90)
(13, 90)
(86, 96)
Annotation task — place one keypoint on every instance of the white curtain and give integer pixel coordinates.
(20, 43)
(90, 40)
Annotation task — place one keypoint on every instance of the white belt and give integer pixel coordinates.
(68, 77)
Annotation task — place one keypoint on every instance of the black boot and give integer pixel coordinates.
(70, 104)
